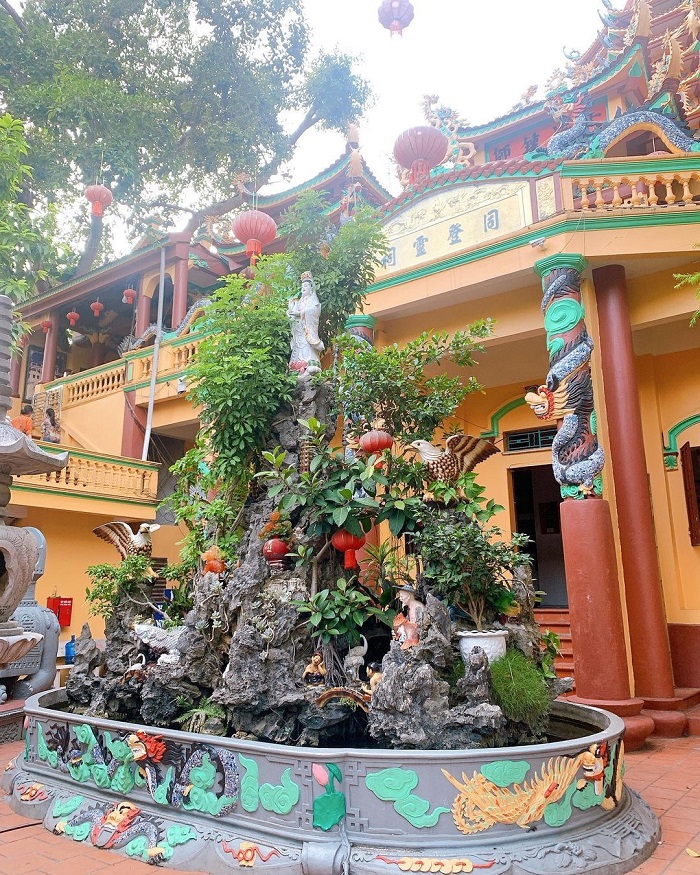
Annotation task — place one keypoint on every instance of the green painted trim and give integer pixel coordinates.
(360, 320)
(91, 496)
(630, 166)
(559, 261)
(678, 428)
(496, 418)
(582, 223)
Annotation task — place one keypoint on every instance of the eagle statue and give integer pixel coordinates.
(127, 543)
(462, 453)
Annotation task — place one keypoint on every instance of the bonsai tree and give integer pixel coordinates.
(466, 561)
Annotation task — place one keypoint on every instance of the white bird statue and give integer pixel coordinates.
(462, 453)
(127, 543)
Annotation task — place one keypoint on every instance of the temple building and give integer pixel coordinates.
(567, 221)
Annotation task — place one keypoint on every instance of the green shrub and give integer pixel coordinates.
(519, 688)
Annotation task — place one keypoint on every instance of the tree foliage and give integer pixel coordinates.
(165, 95)
(25, 249)
(342, 275)
(395, 384)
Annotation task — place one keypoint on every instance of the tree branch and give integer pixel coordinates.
(92, 245)
(14, 15)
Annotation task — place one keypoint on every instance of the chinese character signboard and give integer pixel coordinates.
(453, 220)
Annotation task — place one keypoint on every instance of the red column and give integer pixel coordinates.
(15, 370)
(48, 367)
(590, 561)
(648, 630)
(180, 291)
(143, 311)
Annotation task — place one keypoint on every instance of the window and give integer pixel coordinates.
(533, 439)
(690, 463)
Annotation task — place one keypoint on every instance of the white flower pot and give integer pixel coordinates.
(492, 641)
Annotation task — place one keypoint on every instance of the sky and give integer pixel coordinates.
(479, 57)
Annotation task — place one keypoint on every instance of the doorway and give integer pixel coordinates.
(536, 500)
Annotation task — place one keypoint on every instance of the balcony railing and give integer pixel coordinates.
(656, 183)
(95, 383)
(174, 358)
(94, 474)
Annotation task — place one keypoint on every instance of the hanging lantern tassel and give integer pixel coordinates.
(347, 543)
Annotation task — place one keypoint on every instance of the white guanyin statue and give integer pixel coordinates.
(304, 311)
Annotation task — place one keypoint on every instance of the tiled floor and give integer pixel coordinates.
(666, 773)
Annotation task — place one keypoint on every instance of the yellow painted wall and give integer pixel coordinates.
(71, 549)
(669, 394)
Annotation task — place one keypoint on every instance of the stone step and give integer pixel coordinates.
(693, 727)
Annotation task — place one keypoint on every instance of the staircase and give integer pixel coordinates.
(557, 620)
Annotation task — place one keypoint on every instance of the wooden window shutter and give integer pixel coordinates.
(691, 493)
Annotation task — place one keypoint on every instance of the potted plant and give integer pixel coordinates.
(467, 563)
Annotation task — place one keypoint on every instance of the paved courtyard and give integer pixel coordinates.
(666, 772)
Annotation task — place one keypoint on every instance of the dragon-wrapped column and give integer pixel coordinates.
(595, 607)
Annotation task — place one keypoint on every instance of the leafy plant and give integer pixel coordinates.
(550, 644)
(690, 279)
(385, 568)
(393, 384)
(110, 583)
(195, 717)
(465, 561)
(335, 612)
(519, 689)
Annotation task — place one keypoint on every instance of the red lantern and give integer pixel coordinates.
(256, 229)
(73, 317)
(376, 440)
(129, 296)
(394, 15)
(46, 326)
(347, 543)
(419, 149)
(100, 197)
(275, 550)
(97, 307)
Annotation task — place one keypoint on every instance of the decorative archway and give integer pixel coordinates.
(671, 448)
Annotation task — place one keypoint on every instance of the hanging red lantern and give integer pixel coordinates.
(100, 197)
(97, 307)
(376, 440)
(129, 296)
(46, 326)
(394, 15)
(73, 317)
(419, 149)
(347, 543)
(256, 229)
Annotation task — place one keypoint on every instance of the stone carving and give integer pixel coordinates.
(304, 311)
(354, 660)
(567, 394)
(38, 665)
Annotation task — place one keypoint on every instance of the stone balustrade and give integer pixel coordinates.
(89, 385)
(100, 475)
(646, 189)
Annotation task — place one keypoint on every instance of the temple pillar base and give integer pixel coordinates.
(667, 724)
(638, 725)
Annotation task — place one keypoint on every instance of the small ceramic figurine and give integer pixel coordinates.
(406, 623)
(315, 672)
(374, 673)
(304, 311)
